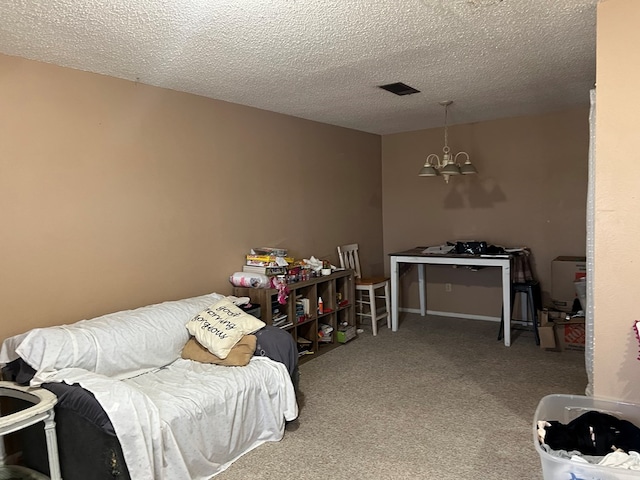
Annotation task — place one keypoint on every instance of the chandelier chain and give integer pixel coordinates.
(446, 131)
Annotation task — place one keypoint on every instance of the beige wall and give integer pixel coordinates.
(114, 195)
(617, 201)
(530, 191)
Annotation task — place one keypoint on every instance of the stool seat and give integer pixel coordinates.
(533, 303)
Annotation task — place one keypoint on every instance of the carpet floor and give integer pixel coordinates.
(441, 398)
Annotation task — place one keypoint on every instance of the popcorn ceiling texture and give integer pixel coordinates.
(323, 59)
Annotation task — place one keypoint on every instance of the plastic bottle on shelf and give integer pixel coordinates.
(320, 306)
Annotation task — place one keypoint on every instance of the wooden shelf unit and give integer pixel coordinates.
(334, 288)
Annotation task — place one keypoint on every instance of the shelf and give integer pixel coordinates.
(304, 322)
(333, 289)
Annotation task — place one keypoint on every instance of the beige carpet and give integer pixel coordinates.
(439, 399)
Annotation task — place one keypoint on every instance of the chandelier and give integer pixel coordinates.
(448, 166)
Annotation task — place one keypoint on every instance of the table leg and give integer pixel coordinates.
(506, 304)
(422, 286)
(52, 447)
(395, 278)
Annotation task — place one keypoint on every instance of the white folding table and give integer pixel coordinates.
(416, 256)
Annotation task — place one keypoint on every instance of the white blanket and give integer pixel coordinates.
(183, 420)
(191, 420)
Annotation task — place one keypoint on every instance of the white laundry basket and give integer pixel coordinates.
(14, 472)
(565, 408)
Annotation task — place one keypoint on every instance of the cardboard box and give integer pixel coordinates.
(559, 333)
(546, 327)
(343, 336)
(547, 336)
(548, 316)
(570, 335)
(564, 273)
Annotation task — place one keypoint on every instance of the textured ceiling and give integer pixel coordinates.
(323, 59)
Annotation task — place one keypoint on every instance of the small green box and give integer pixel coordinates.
(343, 336)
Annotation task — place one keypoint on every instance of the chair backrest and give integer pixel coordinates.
(348, 255)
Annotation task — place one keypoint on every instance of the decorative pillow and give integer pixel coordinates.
(239, 355)
(222, 325)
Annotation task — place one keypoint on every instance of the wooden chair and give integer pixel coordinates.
(368, 290)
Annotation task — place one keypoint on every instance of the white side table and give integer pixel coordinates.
(41, 410)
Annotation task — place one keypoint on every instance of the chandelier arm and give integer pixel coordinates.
(434, 161)
(430, 160)
(455, 159)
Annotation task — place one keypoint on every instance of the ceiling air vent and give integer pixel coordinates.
(399, 88)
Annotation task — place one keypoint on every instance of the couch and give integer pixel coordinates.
(131, 407)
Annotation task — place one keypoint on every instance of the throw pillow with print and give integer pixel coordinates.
(219, 327)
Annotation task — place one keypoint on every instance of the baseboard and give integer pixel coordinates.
(453, 314)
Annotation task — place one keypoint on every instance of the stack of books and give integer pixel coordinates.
(267, 261)
(282, 321)
(325, 333)
(267, 270)
(276, 252)
(304, 346)
(302, 308)
(279, 317)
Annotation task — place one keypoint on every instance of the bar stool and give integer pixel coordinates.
(532, 302)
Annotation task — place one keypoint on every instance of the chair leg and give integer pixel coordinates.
(359, 308)
(373, 310)
(529, 305)
(534, 315)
